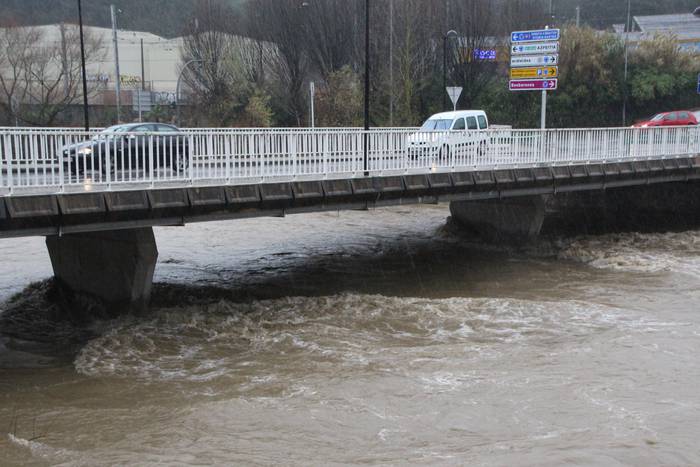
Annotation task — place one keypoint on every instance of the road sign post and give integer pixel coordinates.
(539, 35)
(454, 93)
(534, 84)
(534, 72)
(534, 60)
(543, 115)
(534, 63)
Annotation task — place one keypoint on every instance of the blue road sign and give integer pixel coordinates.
(541, 35)
(698, 84)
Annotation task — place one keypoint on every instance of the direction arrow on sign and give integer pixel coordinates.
(535, 60)
(534, 85)
(534, 49)
(540, 35)
(534, 72)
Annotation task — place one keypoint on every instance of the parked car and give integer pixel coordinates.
(446, 136)
(128, 147)
(675, 118)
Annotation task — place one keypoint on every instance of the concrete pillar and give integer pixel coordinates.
(114, 267)
(513, 219)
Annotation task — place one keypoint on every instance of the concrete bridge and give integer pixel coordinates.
(95, 196)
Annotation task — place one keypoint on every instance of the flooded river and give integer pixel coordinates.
(376, 337)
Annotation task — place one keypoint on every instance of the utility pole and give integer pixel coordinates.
(113, 10)
(312, 94)
(82, 65)
(143, 84)
(391, 63)
(578, 16)
(628, 26)
(450, 34)
(543, 115)
(64, 57)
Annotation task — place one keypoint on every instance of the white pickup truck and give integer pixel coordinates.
(450, 138)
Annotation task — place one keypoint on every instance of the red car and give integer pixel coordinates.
(675, 118)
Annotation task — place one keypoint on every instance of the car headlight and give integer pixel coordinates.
(85, 151)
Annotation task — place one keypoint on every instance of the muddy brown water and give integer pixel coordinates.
(375, 337)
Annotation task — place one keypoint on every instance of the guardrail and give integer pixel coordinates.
(68, 160)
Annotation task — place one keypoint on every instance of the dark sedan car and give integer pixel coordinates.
(130, 147)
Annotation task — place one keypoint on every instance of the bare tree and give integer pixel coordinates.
(280, 23)
(40, 78)
(478, 32)
(415, 56)
(213, 79)
(332, 37)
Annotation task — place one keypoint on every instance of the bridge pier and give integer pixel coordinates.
(513, 219)
(114, 267)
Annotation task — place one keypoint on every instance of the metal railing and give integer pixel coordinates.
(69, 160)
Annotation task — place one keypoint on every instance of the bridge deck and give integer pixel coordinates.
(68, 161)
(48, 187)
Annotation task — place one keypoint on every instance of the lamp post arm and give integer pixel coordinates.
(177, 86)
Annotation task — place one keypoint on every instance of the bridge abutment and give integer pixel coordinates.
(114, 267)
(514, 219)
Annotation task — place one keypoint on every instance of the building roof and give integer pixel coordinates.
(677, 24)
(685, 28)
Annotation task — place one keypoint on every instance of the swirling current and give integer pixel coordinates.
(380, 337)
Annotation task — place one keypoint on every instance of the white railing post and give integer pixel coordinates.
(228, 149)
(111, 144)
(7, 158)
(190, 159)
(150, 160)
(293, 149)
(664, 144)
(326, 151)
(28, 157)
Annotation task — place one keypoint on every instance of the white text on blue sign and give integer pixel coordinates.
(540, 35)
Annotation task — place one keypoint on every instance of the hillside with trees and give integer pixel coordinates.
(257, 58)
(169, 17)
(165, 18)
(323, 42)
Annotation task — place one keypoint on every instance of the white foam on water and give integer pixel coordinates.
(42, 450)
(634, 252)
(227, 340)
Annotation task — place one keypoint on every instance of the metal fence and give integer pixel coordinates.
(69, 160)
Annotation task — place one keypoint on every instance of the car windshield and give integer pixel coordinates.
(437, 124)
(112, 129)
(116, 129)
(658, 117)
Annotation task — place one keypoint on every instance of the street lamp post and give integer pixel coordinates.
(177, 87)
(628, 25)
(450, 34)
(82, 64)
(366, 161)
(113, 12)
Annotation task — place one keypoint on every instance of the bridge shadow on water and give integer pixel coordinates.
(43, 320)
(49, 328)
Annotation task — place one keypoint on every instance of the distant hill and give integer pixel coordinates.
(163, 17)
(168, 17)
